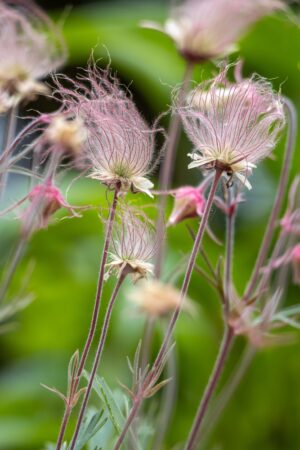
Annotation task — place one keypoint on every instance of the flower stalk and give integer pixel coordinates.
(98, 354)
(165, 344)
(95, 313)
(190, 267)
(10, 129)
(167, 169)
(230, 226)
(210, 388)
(28, 227)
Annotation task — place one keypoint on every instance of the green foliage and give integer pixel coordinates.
(91, 425)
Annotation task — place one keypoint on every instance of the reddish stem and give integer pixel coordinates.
(210, 388)
(97, 303)
(168, 164)
(190, 268)
(97, 356)
(162, 352)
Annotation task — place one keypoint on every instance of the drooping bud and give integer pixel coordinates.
(45, 200)
(189, 202)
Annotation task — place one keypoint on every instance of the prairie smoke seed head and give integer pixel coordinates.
(31, 47)
(205, 29)
(134, 244)
(189, 202)
(156, 299)
(232, 125)
(120, 145)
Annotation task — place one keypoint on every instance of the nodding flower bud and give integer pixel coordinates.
(66, 135)
(205, 29)
(133, 245)
(156, 299)
(232, 125)
(45, 200)
(31, 47)
(120, 145)
(189, 202)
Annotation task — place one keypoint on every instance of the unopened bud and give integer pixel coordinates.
(189, 202)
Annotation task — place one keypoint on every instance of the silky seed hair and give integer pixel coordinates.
(134, 242)
(120, 145)
(232, 125)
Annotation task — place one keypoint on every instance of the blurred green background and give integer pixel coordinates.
(265, 412)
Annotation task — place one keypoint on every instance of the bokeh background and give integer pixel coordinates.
(265, 412)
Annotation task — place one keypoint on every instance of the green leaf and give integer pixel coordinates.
(91, 425)
(107, 397)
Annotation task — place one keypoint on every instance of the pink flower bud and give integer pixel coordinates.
(189, 202)
(45, 200)
(48, 199)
